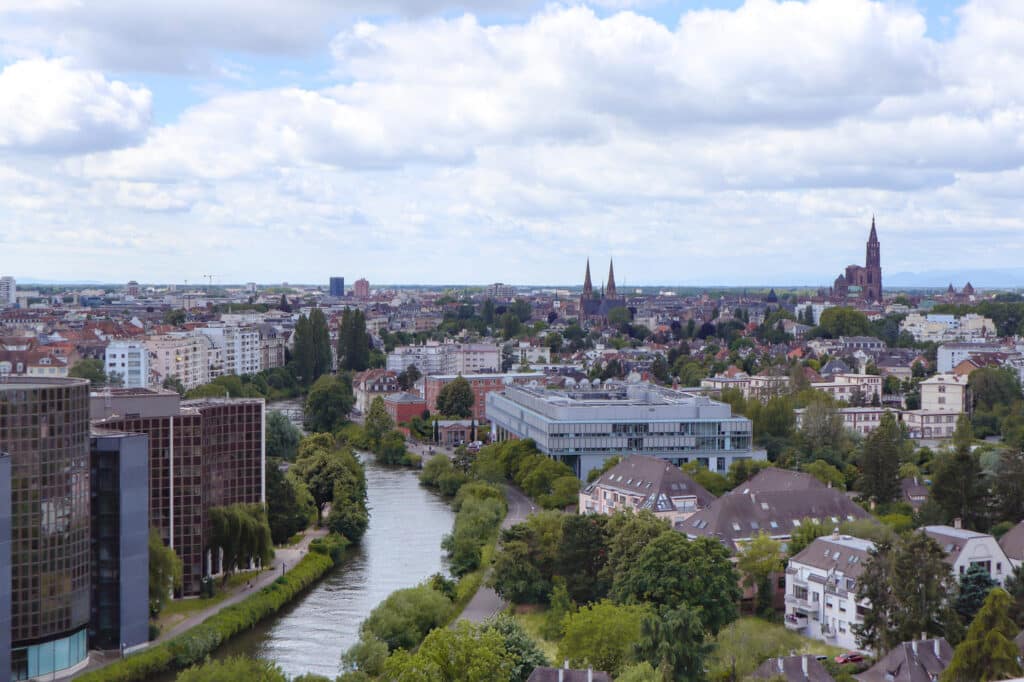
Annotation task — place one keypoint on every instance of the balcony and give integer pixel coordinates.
(796, 621)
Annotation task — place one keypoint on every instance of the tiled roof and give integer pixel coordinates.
(656, 480)
(793, 669)
(1013, 542)
(919, 661)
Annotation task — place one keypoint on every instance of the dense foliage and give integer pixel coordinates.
(335, 477)
(242, 534)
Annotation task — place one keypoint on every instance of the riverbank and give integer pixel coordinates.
(197, 637)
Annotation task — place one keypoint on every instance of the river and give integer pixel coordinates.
(401, 547)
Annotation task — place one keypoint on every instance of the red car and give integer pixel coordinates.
(850, 657)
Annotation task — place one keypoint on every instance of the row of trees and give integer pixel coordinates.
(242, 535)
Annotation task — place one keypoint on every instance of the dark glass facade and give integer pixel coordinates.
(119, 480)
(44, 426)
(5, 565)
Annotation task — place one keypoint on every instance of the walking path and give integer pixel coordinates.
(486, 602)
(285, 559)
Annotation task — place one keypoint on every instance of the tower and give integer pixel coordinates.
(873, 266)
(588, 287)
(610, 289)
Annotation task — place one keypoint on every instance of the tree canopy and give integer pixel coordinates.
(456, 399)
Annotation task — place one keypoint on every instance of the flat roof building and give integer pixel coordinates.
(585, 424)
(5, 564)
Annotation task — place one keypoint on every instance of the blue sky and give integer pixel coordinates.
(425, 141)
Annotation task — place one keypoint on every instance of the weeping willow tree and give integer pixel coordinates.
(242, 534)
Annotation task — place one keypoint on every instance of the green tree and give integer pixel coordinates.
(456, 399)
(465, 653)
(487, 312)
(823, 434)
(523, 652)
(353, 341)
(408, 377)
(988, 652)
(628, 534)
(405, 617)
(284, 306)
(89, 369)
(839, 321)
(975, 584)
(639, 672)
(958, 489)
(233, 669)
(165, 572)
(672, 570)
(510, 325)
(990, 387)
(242, 534)
(826, 473)
(601, 635)
(173, 383)
(673, 643)
(560, 605)
(290, 506)
(392, 449)
(581, 556)
(759, 560)
(329, 403)
(1006, 499)
(805, 534)
(282, 437)
(880, 458)
(311, 345)
(377, 423)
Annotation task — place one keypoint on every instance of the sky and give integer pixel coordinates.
(430, 141)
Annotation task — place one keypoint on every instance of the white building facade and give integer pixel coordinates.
(130, 361)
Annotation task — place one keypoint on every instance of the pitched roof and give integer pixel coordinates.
(917, 661)
(794, 669)
(952, 540)
(837, 553)
(656, 480)
(1013, 542)
(766, 503)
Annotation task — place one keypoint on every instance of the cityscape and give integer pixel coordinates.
(746, 405)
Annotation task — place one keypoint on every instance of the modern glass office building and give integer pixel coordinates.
(44, 427)
(586, 423)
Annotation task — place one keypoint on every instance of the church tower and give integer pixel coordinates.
(610, 289)
(588, 287)
(873, 266)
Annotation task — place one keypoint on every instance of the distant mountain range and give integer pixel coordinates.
(1004, 278)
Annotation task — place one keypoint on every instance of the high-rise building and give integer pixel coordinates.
(130, 361)
(132, 289)
(202, 454)
(499, 291)
(361, 289)
(44, 426)
(5, 564)
(337, 287)
(8, 292)
(119, 490)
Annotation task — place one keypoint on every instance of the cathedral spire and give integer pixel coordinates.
(588, 287)
(873, 237)
(610, 289)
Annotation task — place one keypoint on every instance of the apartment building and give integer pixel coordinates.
(821, 588)
(845, 386)
(238, 348)
(8, 292)
(939, 328)
(446, 358)
(944, 393)
(863, 420)
(128, 360)
(949, 355)
(481, 384)
(181, 354)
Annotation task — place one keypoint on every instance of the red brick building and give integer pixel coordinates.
(404, 406)
(482, 384)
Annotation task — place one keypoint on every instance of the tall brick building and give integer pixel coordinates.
(202, 454)
(862, 283)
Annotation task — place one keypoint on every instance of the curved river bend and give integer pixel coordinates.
(402, 547)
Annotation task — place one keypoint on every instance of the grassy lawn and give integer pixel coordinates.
(749, 641)
(180, 609)
(532, 618)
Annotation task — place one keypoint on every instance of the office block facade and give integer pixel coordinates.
(202, 454)
(44, 426)
(585, 425)
(337, 287)
(5, 564)
(119, 484)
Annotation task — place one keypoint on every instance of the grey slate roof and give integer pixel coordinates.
(1013, 542)
(841, 553)
(918, 661)
(794, 669)
(767, 503)
(655, 480)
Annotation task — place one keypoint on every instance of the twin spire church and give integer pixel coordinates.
(595, 307)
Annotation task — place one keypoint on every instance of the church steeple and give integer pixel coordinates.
(874, 256)
(610, 289)
(588, 287)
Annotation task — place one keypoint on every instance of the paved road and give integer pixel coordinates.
(486, 602)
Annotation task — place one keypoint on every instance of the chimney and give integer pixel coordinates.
(958, 522)
(781, 664)
(590, 675)
(938, 649)
(803, 664)
(913, 645)
(561, 675)
(829, 484)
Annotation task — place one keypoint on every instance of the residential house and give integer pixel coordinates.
(863, 420)
(404, 406)
(775, 501)
(847, 386)
(930, 423)
(944, 393)
(916, 661)
(821, 588)
(373, 383)
(914, 492)
(965, 548)
(642, 482)
(804, 668)
(1012, 544)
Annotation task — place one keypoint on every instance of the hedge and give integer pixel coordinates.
(197, 643)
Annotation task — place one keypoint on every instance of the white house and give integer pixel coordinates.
(821, 588)
(130, 360)
(944, 393)
(965, 548)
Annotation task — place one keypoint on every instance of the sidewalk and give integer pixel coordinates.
(286, 557)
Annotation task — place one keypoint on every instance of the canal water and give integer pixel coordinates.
(401, 547)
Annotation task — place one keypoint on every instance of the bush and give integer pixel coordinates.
(403, 619)
(194, 645)
(475, 524)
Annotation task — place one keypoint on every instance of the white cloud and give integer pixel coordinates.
(49, 106)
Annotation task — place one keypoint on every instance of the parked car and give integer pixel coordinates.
(850, 657)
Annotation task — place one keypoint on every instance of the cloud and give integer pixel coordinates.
(47, 106)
